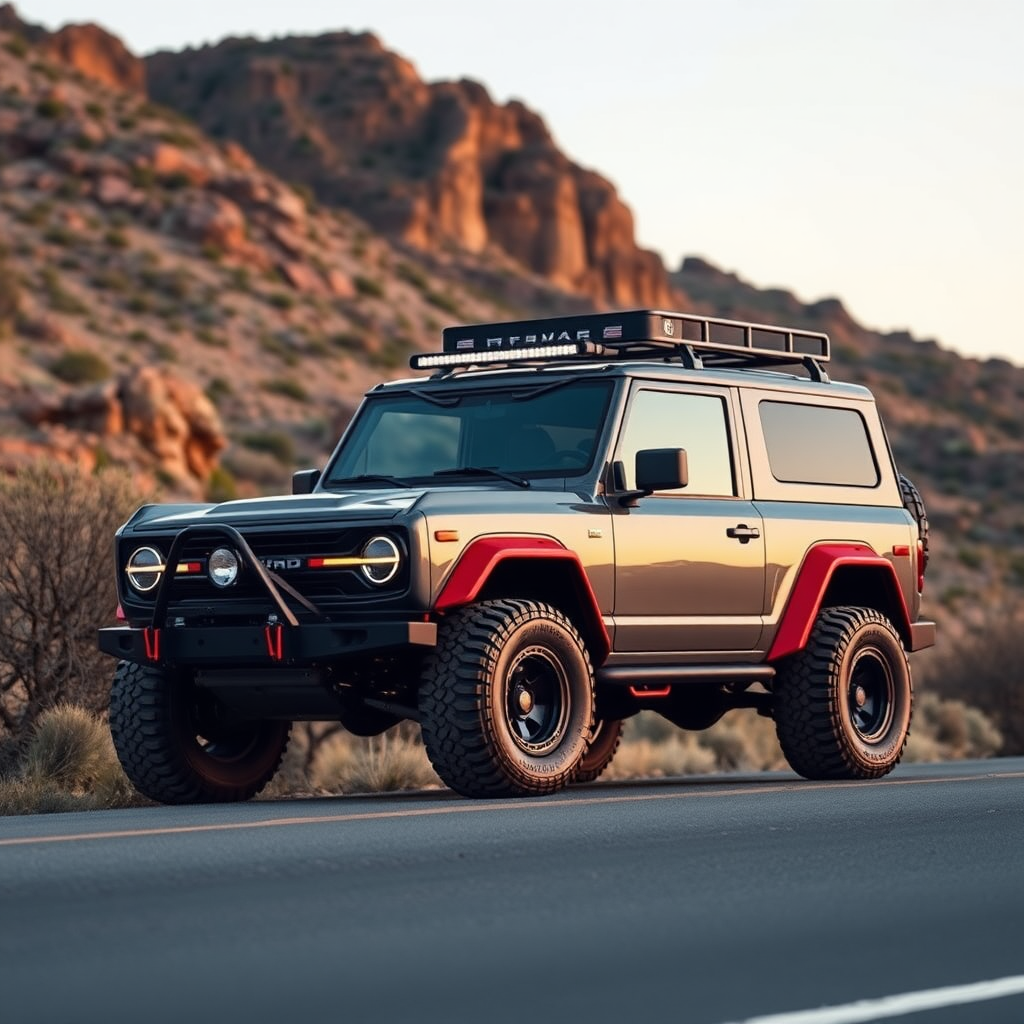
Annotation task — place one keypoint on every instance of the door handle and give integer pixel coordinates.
(743, 533)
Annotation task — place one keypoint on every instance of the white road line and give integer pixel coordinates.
(896, 1006)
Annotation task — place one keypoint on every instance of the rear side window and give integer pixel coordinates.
(815, 444)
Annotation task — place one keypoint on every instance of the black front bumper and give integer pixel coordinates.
(270, 645)
(282, 641)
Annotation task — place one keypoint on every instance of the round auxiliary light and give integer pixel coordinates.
(144, 569)
(223, 567)
(382, 559)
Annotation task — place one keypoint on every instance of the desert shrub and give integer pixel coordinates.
(272, 442)
(413, 275)
(287, 387)
(67, 746)
(221, 485)
(643, 758)
(69, 764)
(281, 300)
(950, 730)
(56, 587)
(10, 296)
(369, 287)
(51, 107)
(444, 301)
(16, 46)
(80, 366)
(986, 671)
(382, 764)
(58, 297)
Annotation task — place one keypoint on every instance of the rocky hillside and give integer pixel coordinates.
(169, 304)
(430, 164)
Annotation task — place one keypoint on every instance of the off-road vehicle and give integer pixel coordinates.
(570, 521)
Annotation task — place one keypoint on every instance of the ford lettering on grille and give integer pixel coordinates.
(282, 563)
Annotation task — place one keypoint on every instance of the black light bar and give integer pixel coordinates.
(629, 333)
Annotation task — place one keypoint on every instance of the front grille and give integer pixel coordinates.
(326, 587)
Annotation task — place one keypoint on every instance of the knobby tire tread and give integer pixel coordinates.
(807, 717)
(149, 750)
(451, 709)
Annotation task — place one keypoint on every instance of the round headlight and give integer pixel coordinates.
(144, 569)
(223, 567)
(382, 559)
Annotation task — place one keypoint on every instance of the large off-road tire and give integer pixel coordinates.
(176, 748)
(605, 742)
(914, 504)
(842, 705)
(507, 700)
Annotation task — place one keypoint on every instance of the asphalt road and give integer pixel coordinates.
(698, 901)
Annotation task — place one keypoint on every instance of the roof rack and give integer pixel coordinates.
(633, 334)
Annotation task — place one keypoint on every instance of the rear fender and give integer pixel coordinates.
(840, 574)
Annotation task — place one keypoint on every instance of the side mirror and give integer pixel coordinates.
(661, 469)
(305, 480)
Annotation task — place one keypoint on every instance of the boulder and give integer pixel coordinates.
(210, 219)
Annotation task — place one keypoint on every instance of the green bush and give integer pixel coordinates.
(10, 296)
(221, 485)
(286, 386)
(80, 366)
(273, 442)
(369, 287)
(16, 46)
(51, 108)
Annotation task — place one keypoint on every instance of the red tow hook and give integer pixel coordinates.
(650, 691)
(151, 638)
(273, 634)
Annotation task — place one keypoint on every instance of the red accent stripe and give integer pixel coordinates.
(315, 563)
(273, 636)
(151, 638)
(480, 558)
(812, 582)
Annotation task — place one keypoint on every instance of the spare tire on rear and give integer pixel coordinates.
(914, 504)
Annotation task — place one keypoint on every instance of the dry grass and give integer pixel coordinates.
(383, 764)
(69, 765)
(950, 730)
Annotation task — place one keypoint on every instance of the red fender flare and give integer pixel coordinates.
(820, 563)
(480, 558)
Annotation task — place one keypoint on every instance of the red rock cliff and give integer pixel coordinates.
(433, 164)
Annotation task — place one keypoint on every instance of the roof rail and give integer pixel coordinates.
(632, 334)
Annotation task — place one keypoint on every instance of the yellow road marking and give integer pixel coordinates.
(484, 808)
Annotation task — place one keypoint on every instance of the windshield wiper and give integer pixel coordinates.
(372, 478)
(484, 471)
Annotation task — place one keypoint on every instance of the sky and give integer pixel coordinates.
(867, 149)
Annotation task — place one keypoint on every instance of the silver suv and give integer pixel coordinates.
(571, 520)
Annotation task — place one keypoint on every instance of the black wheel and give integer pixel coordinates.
(842, 706)
(507, 700)
(606, 740)
(177, 747)
(914, 504)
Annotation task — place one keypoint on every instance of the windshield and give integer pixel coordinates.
(549, 430)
